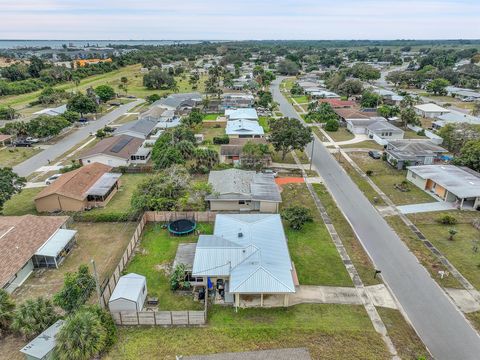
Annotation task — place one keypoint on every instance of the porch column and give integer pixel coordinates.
(261, 300)
(461, 203)
(285, 300)
(237, 300)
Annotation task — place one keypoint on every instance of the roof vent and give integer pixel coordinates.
(240, 234)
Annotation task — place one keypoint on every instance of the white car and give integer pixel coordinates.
(52, 179)
(32, 140)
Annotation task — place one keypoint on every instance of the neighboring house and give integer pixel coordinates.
(129, 293)
(454, 117)
(5, 139)
(52, 111)
(359, 125)
(248, 256)
(237, 100)
(141, 128)
(389, 97)
(338, 104)
(244, 129)
(231, 153)
(321, 94)
(43, 346)
(463, 93)
(241, 114)
(457, 185)
(430, 110)
(384, 130)
(410, 152)
(353, 114)
(90, 186)
(28, 242)
(180, 103)
(117, 151)
(242, 190)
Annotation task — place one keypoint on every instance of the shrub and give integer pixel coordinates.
(6, 312)
(297, 216)
(77, 288)
(421, 132)
(34, 316)
(219, 140)
(369, 172)
(331, 125)
(177, 278)
(105, 216)
(447, 220)
(73, 166)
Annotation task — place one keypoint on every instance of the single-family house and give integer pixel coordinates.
(28, 242)
(141, 128)
(59, 110)
(463, 93)
(92, 185)
(337, 103)
(158, 114)
(243, 190)
(412, 152)
(241, 114)
(454, 117)
(247, 255)
(353, 114)
(116, 151)
(181, 103)
(384, 130)
(129, 293)
(43, 346)
(231, 153)
(237, 100)
(389, 97)
(244, 129)
(430, 110)
(454, 184)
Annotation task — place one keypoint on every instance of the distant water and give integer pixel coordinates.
(57, 44)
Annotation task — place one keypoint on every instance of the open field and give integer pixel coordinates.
(458, 251)
(328, 331)
(385, 177)
(311, 248)
(103, 242)
(9, 156)
(154, 259)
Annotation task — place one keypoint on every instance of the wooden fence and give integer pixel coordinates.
(160, 318)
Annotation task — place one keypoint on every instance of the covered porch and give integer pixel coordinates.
(53, 252)
(103, 190)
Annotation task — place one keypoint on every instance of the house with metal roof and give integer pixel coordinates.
(244, 129)
(141, 128)
(43, 346)
(180, 103)
(247, 255)
(412, 152)
(129, 293)
(430, 110)
(457, 185)
(28, 242)
(92, 185)
(382, 129)
(454, 117)
(59, 110)
(241, 114)
(242, 190)
(237, 100)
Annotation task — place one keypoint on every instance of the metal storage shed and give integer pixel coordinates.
(41, 348)
(129, 294)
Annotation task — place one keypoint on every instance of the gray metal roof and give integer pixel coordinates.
(383, 126)
(103, 184)
(43, 343)
(411, 148)
(460, 181)
(244, 113)
(243, 127)
(249, 248)
(174, 101)
(56, 243)
(236, 184)
(458, 117)
(143, 127)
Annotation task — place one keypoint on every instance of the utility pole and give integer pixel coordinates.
(95, 275)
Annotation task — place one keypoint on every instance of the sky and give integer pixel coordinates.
(239, 20)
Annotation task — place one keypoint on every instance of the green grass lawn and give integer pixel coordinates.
(355, 250)
(459, 251)
(157, 252)
(311, 248)
(342, 134)
(300, 99)
(410, 134)
(210, 132)
(10, 157)
(211, 116)
(263, 121)
(328, 331)
(385, 177)
(367, 144)
(22, 203)
(277, 157)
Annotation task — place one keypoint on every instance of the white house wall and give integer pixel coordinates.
(21, 276)
(106, 160)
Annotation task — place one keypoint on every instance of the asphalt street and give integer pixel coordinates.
(439, 323)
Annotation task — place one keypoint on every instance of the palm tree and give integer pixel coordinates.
(82, 337)
(452, 232)
(6, 312)
(34, 316)
(476, 108)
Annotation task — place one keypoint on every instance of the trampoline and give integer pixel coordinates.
(182, 227)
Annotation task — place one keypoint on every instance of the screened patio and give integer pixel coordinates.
(53, 252)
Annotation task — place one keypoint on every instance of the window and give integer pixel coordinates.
(414, 176)
(241, 202)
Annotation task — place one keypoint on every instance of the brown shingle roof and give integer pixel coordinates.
(107, 145)
(74, 184)
(354, 114)
(21, 237)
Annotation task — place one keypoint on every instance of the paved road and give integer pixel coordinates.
(30, 165)
(439, 323)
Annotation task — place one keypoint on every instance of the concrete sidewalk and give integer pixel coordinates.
(426, 207)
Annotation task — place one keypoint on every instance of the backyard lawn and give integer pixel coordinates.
(211, 116)
(410, 134)
(155, 257)
(9, 157)
(22, 203)
(328, 331)
(385, 177)
(210, 132)
(311, 248)
(459, 251)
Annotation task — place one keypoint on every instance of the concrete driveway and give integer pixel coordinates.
(426, 207)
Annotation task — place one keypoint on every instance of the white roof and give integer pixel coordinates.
(243, 127)
(52, 111)
(460, 181)
(56, 243)
(244, 113)
(458, 117)
(249, 248)
(129, 287)
(431, 108)
(43, 343)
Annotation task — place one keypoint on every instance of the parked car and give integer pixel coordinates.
(269, 171)
(83, 120)
(52, 179)
(22, 143)
(32, 140)
(374, 154)
(469, 99)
